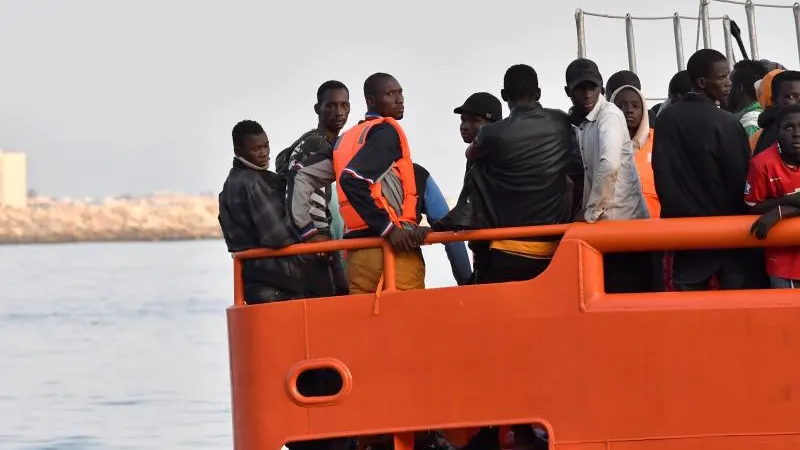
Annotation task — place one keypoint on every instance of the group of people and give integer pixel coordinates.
(725, 142)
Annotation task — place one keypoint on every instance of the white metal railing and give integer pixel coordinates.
(703, 20)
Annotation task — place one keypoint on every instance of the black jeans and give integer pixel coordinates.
(322, 277)
(735, 269)
(256, 293)
(502, 267)
(628, 272)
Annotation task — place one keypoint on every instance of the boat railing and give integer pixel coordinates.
(703, 20)
(603, 237)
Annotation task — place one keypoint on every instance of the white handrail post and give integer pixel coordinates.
(631, 43)
(581, 33)
(726, 30)
(705, 22)
(750, 10)
(796, 10)
(676, 25)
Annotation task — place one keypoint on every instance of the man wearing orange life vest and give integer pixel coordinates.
(377, 190)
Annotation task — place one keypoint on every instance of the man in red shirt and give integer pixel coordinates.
(773, 190)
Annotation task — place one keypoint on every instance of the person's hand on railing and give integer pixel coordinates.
(319, 237)
(420, 233)
(402, 240)
(766, 221)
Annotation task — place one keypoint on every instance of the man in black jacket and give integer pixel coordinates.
(252, 215)
(700, 160)
(480, 109)
(519, 178)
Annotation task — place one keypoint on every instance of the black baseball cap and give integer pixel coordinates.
(482, 104)
(582, 70)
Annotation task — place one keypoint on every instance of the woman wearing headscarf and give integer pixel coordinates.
(631, 101)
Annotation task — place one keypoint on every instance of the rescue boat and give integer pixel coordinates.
(650, 371)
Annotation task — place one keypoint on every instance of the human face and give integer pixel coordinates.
(585, 96)
(334, 109)
(255, 149)
(388, 101)
(717, 85)
(470, 125)
(789, 137)
(788, 94)
(631, 105)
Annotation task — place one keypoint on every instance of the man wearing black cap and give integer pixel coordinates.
(612, 189)
(518, 178)
(481, 108)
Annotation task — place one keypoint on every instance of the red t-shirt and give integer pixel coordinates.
(768, 178)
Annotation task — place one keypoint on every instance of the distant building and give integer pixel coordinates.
(13, 179)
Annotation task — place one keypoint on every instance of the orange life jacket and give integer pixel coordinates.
(642, 158)
(346, 148)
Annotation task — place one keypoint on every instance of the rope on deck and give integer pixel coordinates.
(757, 5)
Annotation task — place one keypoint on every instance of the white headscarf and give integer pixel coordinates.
(643, 132)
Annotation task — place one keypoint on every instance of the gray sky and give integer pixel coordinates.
(111, 97)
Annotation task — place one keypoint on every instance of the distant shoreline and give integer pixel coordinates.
(107, 241)
(152, 218)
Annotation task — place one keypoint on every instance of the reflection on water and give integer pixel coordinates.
(120, 345)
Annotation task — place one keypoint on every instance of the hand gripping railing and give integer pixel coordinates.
(390, 284)
(605, 237)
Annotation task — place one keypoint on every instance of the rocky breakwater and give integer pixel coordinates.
(149, 218)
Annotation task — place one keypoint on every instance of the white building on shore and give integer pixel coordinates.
(13, 179)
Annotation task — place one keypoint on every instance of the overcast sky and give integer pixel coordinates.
(113, 97)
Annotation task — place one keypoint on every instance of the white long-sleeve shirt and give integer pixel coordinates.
(612, 189)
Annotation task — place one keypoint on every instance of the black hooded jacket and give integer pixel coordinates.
(519, 172)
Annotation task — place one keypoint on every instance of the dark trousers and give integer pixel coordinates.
(256, 293)
(659, 276)
(734, 269)
(322, 277)
(502, 267)
(322, 444)
(628, 272)
(488, 438)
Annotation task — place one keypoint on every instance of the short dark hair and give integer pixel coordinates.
(680, 84)
(786, 75)
(701, 62)
(520, 80)
(243, 129)
(372, 83)
(745, 74)
(785, 111)
(330, 85)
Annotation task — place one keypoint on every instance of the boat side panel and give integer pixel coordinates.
(595, 368)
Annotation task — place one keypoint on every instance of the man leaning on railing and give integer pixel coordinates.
(252, 215)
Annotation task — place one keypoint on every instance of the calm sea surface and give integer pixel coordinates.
(120, 345)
